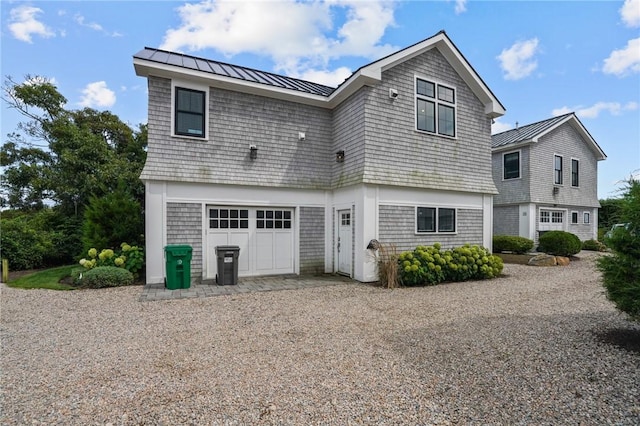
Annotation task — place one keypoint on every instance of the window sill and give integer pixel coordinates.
(190, 138)
(424, 132)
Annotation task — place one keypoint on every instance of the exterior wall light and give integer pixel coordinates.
(340, 157)
(253, 152)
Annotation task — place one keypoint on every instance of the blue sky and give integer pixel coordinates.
(540, 58)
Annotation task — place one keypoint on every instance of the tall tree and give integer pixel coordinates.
(66, 155)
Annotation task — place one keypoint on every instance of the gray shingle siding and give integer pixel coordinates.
(506, 220)
(566, 142)
(311, 240)
(397, 154)
(582, 230)
(398, 223)
(349, 136)
(184, 226)
(512, 191)
(237, 120)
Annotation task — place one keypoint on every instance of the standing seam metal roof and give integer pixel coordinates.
(525, 133)
(233, 71)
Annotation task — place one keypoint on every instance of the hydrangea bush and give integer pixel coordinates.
(127, 257)
(430, 265)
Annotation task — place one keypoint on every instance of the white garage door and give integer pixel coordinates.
(264, 235)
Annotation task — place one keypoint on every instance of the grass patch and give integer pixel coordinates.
(48, 279)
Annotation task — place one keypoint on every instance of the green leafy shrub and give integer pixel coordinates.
(38, 239)
(621, 270)
(106, 276)
(429, 265)
(518, 245)
(127, 257)
(560, 243)
(593, 245)
(111, 219)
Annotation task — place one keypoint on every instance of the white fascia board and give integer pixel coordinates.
(512, 146)
(577, 125)
(146, 68)
(362, 77)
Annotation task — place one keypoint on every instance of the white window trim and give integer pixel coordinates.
(436, 101)
(577, 218)
(436, 232)
(519, 151)
(553, 168)
(193, 86)
(571, 173)
(586, 214)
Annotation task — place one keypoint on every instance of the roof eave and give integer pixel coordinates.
(513, 145)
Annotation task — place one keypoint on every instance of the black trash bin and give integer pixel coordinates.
(227, 265)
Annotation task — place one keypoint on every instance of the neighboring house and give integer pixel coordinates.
(547, 178)
(303, 176)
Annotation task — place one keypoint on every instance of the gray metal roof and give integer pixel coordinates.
(525, 133)
(232, 71)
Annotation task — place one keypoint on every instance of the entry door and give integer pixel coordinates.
(344, 242)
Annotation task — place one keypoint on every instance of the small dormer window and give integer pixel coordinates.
(435, 108)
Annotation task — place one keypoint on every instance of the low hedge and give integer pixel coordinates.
(428, 265)
(518, 245)
(593, 245)
(105, 276)
(559, 243)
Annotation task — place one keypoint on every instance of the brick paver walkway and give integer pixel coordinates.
(245, 285)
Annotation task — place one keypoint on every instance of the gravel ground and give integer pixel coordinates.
(537, 346)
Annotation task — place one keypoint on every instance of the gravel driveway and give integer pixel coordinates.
(536, 346)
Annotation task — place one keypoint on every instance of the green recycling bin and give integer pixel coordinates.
(178, 266)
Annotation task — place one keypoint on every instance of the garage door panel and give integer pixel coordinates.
(241, 240)
(283, 254)
(264, 251)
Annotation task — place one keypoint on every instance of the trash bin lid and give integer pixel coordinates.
(178, 249)
(227, 248)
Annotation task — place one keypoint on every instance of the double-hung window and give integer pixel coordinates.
(435, 108)
(511, 165)
(574, 217)
(586, 217)
(432, 219)
(557, 170)
(190, 114)
(575, 178)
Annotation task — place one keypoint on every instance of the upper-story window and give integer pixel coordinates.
(435, 108)
(575, 177)
(557, 170)
(190, 112)
(511, 165)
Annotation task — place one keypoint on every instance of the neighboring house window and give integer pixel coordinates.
(557, 170)
(556, 217)
(228, 218)
(574, 217)
(190, 112)
(586, 217)
(575, 179)
(435, 108)
(430, 219)
(544, 217)
(511, 165)
(273, 219)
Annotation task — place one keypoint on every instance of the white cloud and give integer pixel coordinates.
(461, 6)
(624, 61)
(94, 26)
(518, 61)
(328, 78)
(24, 24)
(97, 94)
(298, 45)
(630, 13)
(498, 127)
(593, 111)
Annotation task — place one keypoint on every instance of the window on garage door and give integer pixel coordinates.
(228, 218)
(273, 219)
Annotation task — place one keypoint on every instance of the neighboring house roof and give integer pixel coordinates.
(534, 131)
(217, 74)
